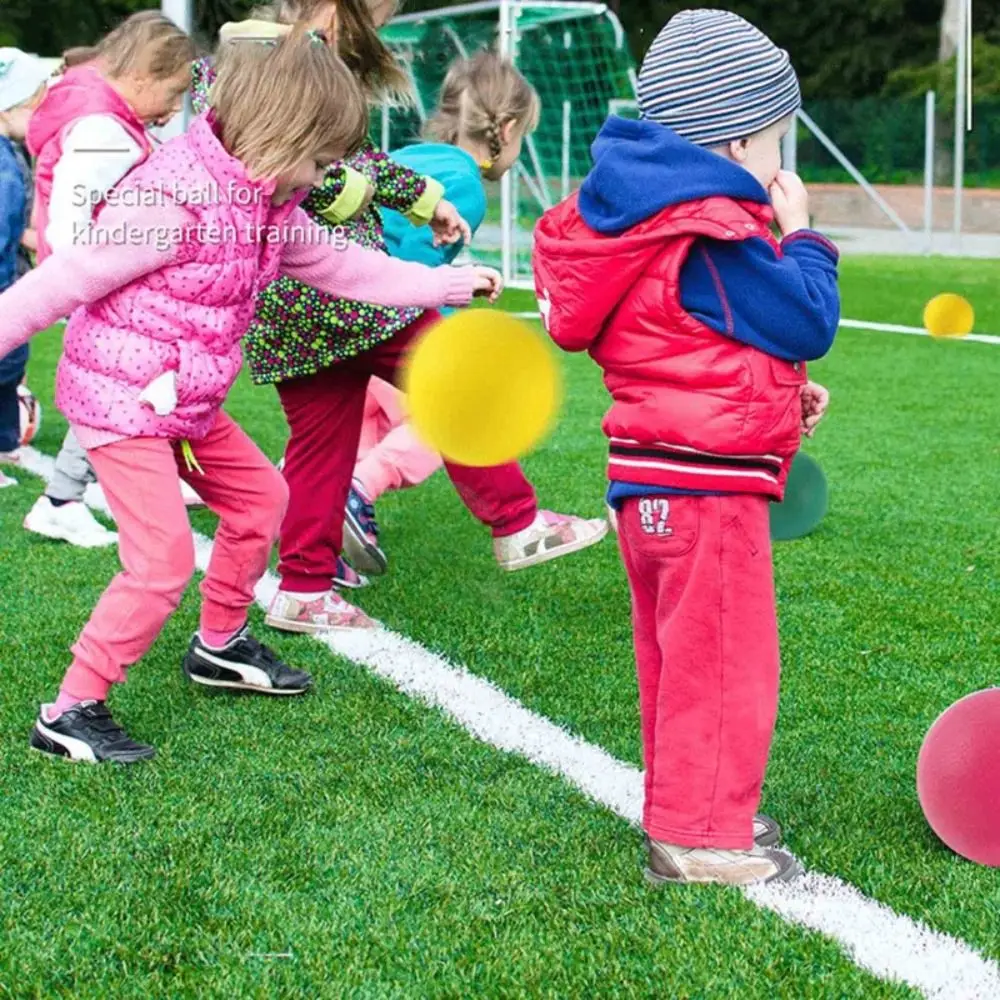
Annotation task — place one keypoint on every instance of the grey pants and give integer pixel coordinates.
(73, 472)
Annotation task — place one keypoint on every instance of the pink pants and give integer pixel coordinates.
(139, 479)
(706, 644)
(325, 412)
(390, 456)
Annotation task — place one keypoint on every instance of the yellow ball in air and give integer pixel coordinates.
(482, 388)
(949, 315)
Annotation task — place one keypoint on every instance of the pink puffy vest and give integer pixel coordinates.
(187, 317)
(80, 92)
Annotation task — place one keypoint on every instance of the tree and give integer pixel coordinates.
(841, 48)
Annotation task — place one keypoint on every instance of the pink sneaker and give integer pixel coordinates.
(327, 612)
(549, 537)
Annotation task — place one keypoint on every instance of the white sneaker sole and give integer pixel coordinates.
(58, 535)
(788, 874)
(360, 553)
(306, 628)
(549, 554)
(254, 688)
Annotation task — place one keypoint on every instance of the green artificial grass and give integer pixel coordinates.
(357, 843)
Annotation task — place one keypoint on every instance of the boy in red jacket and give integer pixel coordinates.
(664, 268)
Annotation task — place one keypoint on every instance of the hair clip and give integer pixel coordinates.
(254, 40)
(317, 36)
(485, 165)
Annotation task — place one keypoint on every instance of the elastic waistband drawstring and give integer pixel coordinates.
(189, 460)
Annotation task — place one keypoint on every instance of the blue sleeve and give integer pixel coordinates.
(787, 306)
(416, 243)
(12, 201)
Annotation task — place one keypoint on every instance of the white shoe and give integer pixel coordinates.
(549, 537)
(191, 498)
(326, 612)
(72, 522)
(686, 865)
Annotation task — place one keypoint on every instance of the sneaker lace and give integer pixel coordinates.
(365, 513)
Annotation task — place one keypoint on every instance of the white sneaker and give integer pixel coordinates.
(72, 522)
(549, 537)
(671, 863)
(191, 498)
(327, 612)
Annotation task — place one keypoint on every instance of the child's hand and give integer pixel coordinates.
(488, 284)
(449, 227)
(791, 202)
(815, 400)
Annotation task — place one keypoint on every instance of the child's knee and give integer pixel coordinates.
(274, 503)
(169, 573)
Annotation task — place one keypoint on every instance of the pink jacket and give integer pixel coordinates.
(169, 284)
(80, 92)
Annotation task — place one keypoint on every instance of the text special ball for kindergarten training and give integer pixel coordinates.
(482, 388)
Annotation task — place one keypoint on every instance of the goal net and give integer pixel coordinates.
(577, 58)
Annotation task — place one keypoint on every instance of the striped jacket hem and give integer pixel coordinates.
(680, 467)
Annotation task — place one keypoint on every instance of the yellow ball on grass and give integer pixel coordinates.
(482, 388)
(949, 315)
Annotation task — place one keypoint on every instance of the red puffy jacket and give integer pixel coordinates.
(692, 409)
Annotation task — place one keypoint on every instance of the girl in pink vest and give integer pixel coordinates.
(87, 134)
(161, 292)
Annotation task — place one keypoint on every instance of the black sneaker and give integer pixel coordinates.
(88, 732)
(244, 665)
(361, 535)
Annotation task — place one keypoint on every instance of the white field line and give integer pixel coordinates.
(886, 944)
(857, 324)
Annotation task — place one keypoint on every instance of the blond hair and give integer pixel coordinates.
(377, 71)
(478, 98)
(145, 44)
(286, 101)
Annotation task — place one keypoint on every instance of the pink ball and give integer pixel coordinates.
(958, 777)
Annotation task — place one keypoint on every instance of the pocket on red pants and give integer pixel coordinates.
(662, 527)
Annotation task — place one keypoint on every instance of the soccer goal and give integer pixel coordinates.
(577, 58)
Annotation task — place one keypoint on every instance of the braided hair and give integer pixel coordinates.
(479, 98)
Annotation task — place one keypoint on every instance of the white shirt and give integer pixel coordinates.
(97, 153)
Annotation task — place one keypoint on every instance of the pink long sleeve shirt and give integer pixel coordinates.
(166, 281)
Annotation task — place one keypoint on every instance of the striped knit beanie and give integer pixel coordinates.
(714, 78)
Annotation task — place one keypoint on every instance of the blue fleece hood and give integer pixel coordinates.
(641, 168)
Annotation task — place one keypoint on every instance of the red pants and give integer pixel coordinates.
(325, 413)
(706, 644)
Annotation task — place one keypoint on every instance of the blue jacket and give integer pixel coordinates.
(462, 180)
(15, 190)
(737, 289)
